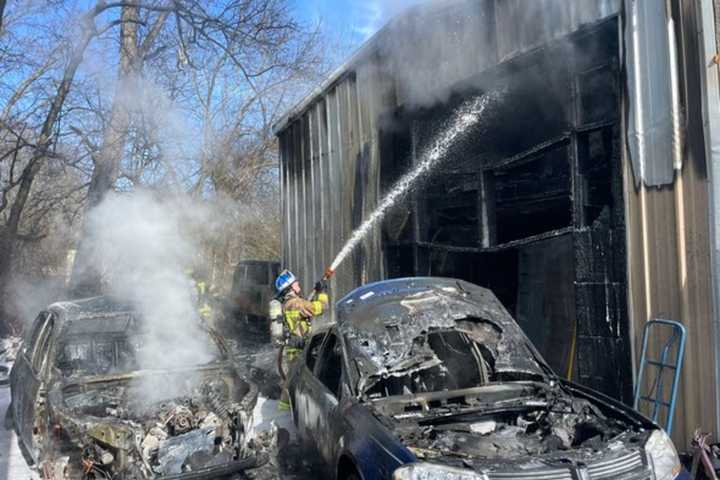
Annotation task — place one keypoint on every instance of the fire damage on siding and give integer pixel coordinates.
(530, 205)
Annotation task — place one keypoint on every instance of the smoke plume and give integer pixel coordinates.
(144, 244)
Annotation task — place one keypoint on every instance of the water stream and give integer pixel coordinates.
(467, 115)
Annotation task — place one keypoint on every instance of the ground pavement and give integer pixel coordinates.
(12, 463)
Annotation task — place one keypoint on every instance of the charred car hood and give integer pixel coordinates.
(381, 320)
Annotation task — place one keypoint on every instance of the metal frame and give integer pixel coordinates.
(679, 334)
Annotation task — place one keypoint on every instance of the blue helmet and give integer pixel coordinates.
(284, 280)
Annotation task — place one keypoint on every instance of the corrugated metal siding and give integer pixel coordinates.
(669, 264)
(659, 290)
(330, 150)
(522, 25)
(330, 175)
(330, 168)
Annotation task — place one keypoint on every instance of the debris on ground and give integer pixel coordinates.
(203, 426)
(9, 347)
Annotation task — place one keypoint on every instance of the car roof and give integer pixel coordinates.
(374, 294)
(89, 308)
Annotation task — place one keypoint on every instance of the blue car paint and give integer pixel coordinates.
(377, 451)
(367, 444)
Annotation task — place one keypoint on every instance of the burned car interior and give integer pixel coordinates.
(456, 362)
(99, 346)
(456, 366)
(106, 345)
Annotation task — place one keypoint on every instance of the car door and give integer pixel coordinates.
(301, 388)
(27, 380)
(326, 389)
(21, 369)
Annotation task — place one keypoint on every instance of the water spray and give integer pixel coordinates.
(466, 116)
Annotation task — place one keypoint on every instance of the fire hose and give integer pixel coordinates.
(316, 291)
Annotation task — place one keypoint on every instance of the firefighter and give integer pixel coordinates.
(295, 314)
(204, 297)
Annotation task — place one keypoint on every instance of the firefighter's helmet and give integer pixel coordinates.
(284, 281)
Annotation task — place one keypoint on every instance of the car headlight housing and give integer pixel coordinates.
(661, 451)
(428, 471)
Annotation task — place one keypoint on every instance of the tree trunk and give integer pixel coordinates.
(6, 318)
(107, 164)
(8, 234)
(86, 277)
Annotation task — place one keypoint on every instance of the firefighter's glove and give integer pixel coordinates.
(321, 286)
(296, 342)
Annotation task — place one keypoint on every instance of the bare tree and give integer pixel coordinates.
(252, 48)
(227, 67)
(9, 232)
(132, 53)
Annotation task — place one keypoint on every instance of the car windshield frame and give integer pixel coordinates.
(113, 335)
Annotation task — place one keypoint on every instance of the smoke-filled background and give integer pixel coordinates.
(145, 245)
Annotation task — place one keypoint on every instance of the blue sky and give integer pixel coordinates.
(350, 21)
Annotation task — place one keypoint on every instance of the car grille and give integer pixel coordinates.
(616, 466)
(554, 474)
(627, 467)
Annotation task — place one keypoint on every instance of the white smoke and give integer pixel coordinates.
(144, 244)
(461, 38)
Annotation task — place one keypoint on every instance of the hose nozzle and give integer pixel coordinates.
(329, 272)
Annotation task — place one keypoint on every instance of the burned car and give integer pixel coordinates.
(83, 407)
(432, 378)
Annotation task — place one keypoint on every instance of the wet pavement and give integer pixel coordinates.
(287, 462)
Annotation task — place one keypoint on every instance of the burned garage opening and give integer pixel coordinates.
(528, 202)
(530, 205)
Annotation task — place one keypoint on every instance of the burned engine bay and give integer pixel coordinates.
(153, 425)
(503, 424)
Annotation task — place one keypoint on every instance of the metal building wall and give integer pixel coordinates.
(330, 176)
(329, 143)
(668, 250)
(669, 277)
(330, 171)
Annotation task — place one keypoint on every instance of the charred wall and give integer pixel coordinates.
(531, 205)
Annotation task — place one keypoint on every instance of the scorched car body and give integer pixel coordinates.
(83, 409)
(432, 378)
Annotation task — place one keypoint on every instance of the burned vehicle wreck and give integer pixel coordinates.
(85, 408)
(432, 378)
